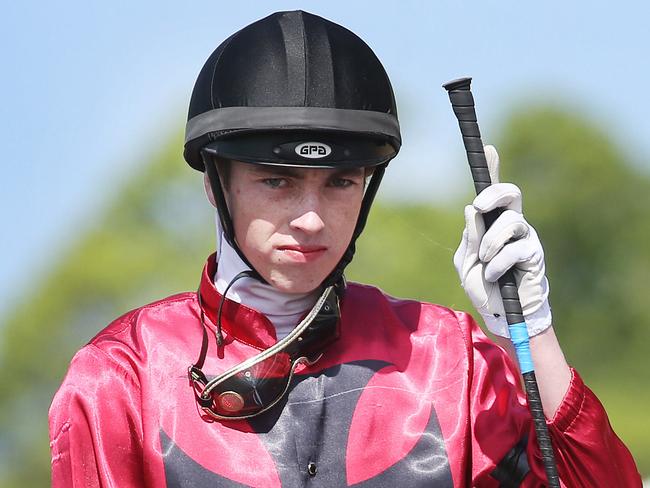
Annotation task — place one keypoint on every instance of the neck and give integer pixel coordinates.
(284, 310)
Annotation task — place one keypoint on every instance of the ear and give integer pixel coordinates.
(208, 190)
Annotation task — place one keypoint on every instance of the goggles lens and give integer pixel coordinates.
(251, 391)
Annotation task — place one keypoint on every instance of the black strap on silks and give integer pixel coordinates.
(513, 468)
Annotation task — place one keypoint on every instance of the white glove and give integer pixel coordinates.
(483, 257)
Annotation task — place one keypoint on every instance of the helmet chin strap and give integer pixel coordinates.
(224, 214)
(336, 276)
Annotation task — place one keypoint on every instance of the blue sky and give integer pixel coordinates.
(90, 88)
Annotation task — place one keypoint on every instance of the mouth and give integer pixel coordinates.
(302, 253)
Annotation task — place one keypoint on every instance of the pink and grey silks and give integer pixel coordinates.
(411, 394)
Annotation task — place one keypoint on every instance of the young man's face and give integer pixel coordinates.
(293, 224)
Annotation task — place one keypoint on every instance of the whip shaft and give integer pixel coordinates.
(462, 101)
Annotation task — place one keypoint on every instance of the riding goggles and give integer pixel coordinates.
(257, 384)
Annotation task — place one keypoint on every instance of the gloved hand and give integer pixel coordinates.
(484, 256)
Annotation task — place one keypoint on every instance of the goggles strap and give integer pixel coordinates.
(219, 335)
(195, 373)
(243, 274)
(204, 343)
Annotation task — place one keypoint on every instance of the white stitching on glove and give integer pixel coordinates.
(483, 257)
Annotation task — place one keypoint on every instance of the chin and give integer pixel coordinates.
(288, 284)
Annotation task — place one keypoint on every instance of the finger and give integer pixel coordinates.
(500, 195)
(475, 228)
(492, 157)
(461, 252)
(512, 254)
(509, 226)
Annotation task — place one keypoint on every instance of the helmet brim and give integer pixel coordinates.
(303, 149)
(361, 137)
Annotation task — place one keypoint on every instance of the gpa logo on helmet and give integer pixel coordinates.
(313, 150)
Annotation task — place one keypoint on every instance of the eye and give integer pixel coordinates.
(342, 182)
(275, 182)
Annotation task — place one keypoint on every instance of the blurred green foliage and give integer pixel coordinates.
(591, 208)
(588, 204)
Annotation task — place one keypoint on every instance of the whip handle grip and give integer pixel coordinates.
(462, 102)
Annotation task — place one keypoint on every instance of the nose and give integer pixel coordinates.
(308, 222)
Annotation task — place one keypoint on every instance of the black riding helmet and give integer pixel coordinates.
(293, 89)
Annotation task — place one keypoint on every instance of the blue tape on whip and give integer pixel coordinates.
(519, 338)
